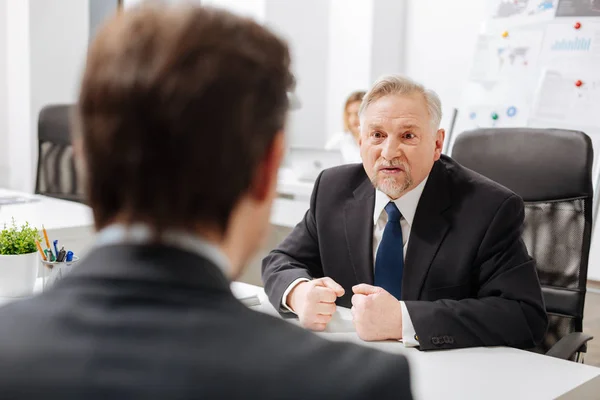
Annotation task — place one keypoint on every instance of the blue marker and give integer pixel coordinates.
(56, 248)
(69, 256)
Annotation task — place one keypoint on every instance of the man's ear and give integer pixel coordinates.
(439, 143)
(265, 179)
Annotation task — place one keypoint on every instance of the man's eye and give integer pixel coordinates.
(409, 135)
(377, 135)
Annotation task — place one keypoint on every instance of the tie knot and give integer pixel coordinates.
(392, 212)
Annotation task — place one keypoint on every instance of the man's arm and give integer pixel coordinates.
(508, 310)
(295, 258)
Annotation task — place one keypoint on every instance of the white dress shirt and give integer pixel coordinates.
(407, 205)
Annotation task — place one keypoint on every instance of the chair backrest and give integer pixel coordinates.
(551, 170)
(56, 172)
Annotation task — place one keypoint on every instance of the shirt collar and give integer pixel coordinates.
(142, 234)
(407, 203)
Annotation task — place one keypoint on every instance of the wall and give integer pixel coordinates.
(349, 69)
(306, 27)
(18, 134)
(4, 165)
(440, 45)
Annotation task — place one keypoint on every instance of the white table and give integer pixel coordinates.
(289, 184)
(476, 373)
(69, 222)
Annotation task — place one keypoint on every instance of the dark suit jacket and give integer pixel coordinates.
(140, 322)
(468, 280)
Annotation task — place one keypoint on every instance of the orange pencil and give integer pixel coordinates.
(39, 246)
(46, 238)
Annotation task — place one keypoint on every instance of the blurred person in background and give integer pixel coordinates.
(347, 141)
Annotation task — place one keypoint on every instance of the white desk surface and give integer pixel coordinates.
(475, 373)
(63, 215)
(47, 211)
(289, 184)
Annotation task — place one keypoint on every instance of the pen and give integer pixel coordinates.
(39, 246)
(56, 248)
(61, 255)
(46, 237)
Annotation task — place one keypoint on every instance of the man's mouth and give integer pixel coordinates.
(390, 170)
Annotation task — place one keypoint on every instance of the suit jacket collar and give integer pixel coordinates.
(154, 264)
(427, 232)
(358, 221)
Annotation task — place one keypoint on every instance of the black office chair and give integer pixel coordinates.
(56, 172)
(552, 171)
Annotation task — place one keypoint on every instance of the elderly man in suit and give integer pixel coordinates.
(423, 250)
(181, 117)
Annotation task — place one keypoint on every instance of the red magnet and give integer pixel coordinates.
(578, 83)
(578, 25)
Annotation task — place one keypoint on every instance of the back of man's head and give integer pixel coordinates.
(178, 106)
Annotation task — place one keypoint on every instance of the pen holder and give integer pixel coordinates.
(55, 271)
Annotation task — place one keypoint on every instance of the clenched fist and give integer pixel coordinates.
(377, 315)
(314, 302)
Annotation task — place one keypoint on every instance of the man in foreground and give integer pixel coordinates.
(180, 117)
(423, 250)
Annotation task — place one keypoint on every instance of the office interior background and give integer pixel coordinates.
(338, 46)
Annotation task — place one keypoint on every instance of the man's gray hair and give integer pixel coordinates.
(401, 85)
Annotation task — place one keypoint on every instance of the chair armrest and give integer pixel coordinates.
(566, 347)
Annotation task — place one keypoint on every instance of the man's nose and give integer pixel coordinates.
(391, 149)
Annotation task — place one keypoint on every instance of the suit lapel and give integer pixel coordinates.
(358, 220)
(427, 232)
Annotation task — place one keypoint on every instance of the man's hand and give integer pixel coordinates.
(377, 315)
(314, 302)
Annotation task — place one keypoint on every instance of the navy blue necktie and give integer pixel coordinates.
(389, 262)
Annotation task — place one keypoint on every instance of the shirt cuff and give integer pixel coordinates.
(409, 336)
(284, 304)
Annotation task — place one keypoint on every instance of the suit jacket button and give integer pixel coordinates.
(435, 340)
(416, 337)
(447, 339)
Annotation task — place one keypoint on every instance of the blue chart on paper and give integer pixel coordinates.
(576, 44)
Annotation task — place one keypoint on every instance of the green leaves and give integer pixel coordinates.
(14, 241)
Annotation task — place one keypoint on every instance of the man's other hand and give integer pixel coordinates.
(314, 302)
(377, 315)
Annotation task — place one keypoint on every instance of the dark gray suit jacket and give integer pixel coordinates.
(468, 279)
(140, 322)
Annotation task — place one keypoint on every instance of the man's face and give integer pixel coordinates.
(353, 120)
(398, 143)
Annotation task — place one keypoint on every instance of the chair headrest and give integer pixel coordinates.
(537, 164)
(54, 124)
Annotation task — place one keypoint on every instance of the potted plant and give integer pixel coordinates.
(18, 260)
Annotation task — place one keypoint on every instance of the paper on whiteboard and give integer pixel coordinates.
(566, 48)
(497, 58)
(507, 115)
(560, 102)
(522, 11)
(578, 8)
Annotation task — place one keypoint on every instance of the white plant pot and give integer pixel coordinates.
(18, 274)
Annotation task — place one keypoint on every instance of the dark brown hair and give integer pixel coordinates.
(178, 106)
